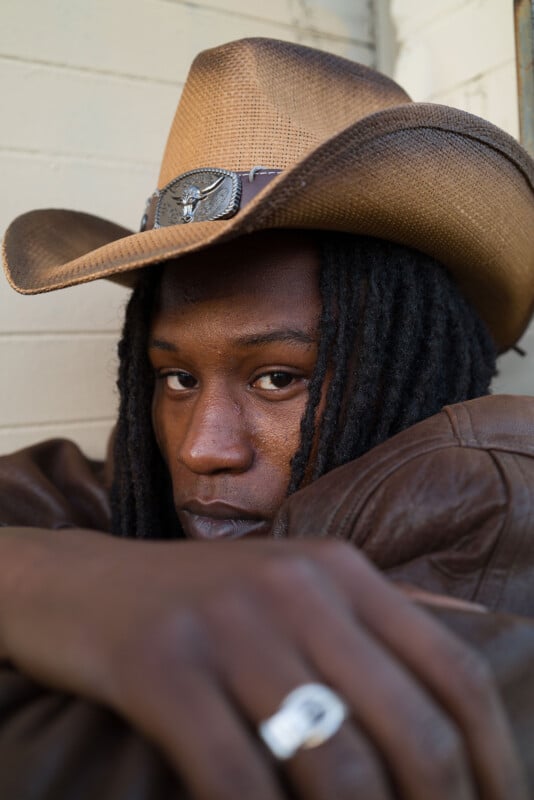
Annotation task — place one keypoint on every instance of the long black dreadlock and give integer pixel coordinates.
(397, 341)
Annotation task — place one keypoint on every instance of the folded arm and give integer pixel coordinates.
(194, 644)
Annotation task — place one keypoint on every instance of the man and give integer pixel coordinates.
(256, 358)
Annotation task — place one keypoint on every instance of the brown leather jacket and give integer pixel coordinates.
(447, 505)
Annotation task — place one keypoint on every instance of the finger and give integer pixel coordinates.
(259, 668)
(346, 766)
(421, 745)
(455, 675)
(188, 716)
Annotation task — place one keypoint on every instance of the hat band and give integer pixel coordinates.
(204, 194)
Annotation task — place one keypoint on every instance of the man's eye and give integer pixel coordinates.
(272, 381)
(180, 381)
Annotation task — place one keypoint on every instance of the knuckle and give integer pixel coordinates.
(230, 605)
(151, 653)
(357, 777)
(476, 679)
(181, 631)
(444, 755)
(170, 640)
(292, 573)
(336, 553)
(349, 766)
(479, 673)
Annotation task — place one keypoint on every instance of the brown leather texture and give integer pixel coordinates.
(53, 485)
(447, 505)
(56, 747)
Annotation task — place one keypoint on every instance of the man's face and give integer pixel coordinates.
(234, 344)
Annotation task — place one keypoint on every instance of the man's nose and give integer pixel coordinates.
(217, 437)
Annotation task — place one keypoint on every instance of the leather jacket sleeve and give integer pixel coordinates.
(53, 485)
(57, 747)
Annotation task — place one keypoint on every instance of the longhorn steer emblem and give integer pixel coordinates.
(198, 196)
(193, 196)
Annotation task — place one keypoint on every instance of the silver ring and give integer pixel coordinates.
(307, 717)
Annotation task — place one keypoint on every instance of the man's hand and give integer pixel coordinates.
(197, 643)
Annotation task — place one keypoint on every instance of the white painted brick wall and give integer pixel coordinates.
(88, 93)
(450, 51)
(462, 53)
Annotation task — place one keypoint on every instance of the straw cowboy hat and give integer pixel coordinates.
(270, 134)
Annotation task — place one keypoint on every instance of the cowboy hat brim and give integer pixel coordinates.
(434, 178)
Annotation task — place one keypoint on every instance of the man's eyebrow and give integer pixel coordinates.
(291, 335)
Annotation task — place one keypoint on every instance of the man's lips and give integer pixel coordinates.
(218, 520)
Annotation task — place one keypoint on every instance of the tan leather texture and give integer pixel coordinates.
(447, 505)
